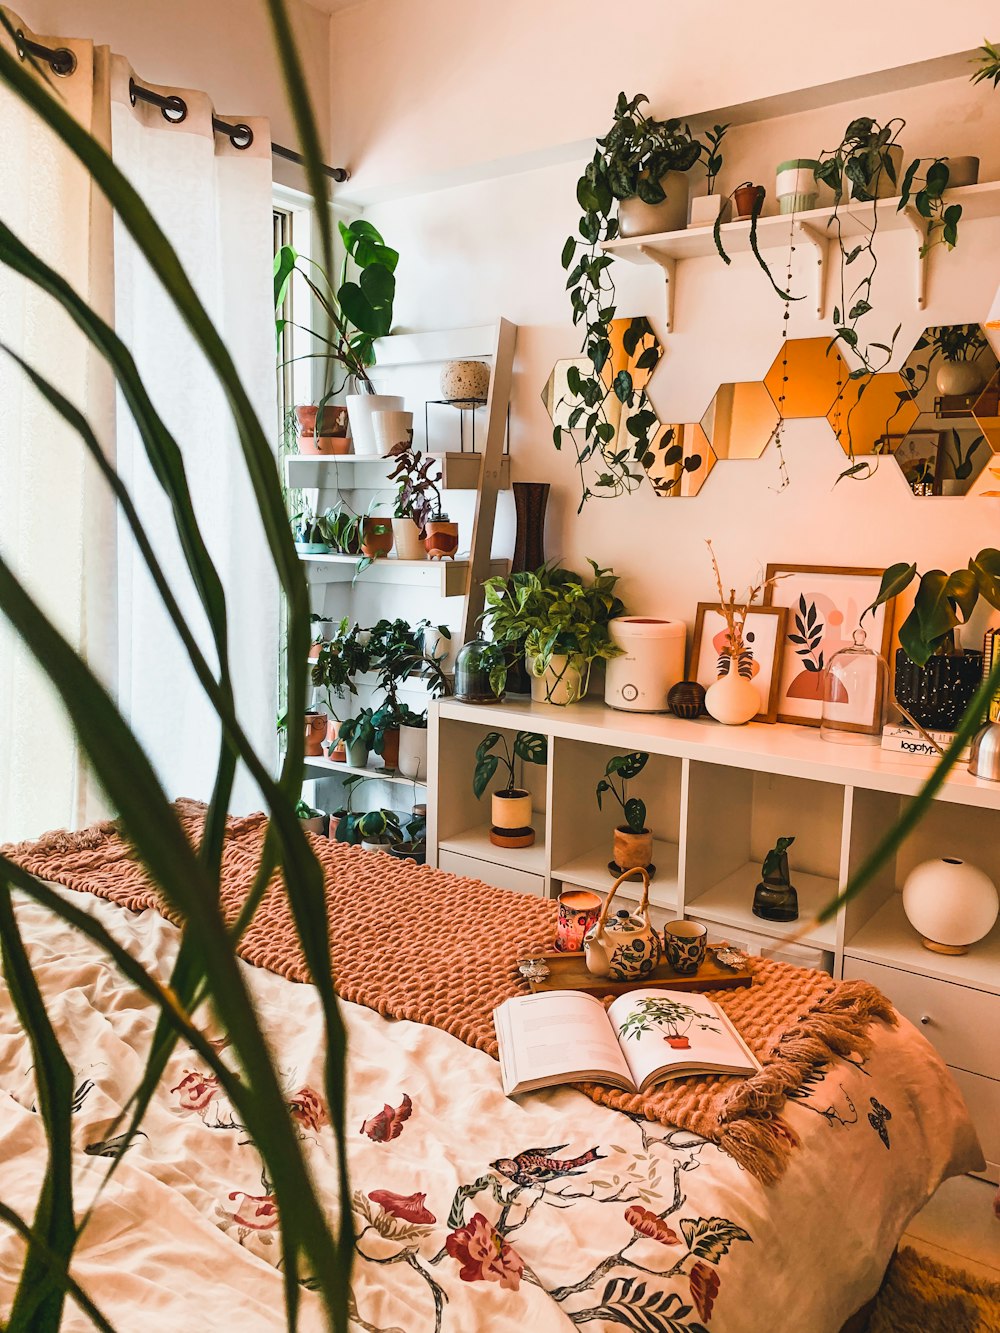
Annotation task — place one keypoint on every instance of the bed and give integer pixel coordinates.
(473, 1211)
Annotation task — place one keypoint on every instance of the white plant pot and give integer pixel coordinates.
(412, 761)
(636, 218)
(314, 824)
(407, 540)
(374, 846)
(733, 699)
(959, 377)
(703, 209)
(360, 407)
(511, 812)
(390, 429)
(653, 662)
(559, 683)
(950, 903)
(357, 754)
(795, 185)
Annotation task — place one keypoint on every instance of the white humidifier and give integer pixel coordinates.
(652, 662)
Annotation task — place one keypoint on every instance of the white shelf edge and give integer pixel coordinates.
(979, 969)
(379, 774)
(590, 871)
(730, 903)
(475, 842)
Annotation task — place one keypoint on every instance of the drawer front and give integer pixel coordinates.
(964, 1024)
(502, 876)
(821, 960)
(982, 1097)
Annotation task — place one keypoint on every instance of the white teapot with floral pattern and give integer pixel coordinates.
(627, 946)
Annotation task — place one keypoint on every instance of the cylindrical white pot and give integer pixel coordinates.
(559, 683)
(795, 185)
(950, 903)
(638, 219)
(732, 699)
(511, 812)
(962, 171)
(652, 664)
(390, 429)
(360, 407)
(407, 540)
(412, 762)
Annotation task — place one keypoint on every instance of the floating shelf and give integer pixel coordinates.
(888, 938)
(369, 472)
(590, 871)
(382, 774)
(476, 842)
(730, 902)
(818, 227)
(448, 577)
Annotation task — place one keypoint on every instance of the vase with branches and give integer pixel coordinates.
(734, 698)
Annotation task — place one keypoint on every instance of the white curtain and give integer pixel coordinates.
(56, 523)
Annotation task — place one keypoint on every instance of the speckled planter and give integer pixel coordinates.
(938, 694)
(464, 383)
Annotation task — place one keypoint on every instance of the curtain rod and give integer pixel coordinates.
(62, 62)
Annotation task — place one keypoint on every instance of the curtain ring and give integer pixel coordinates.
(241, 136)
(61, 60)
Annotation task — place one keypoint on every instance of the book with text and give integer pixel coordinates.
(645, 1037)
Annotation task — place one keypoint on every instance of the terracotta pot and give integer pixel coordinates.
(633, 851)
(636, 218)
(678, 1043)
(407, 539)
(377, 538)
(310, 445)
(441, 540)
(745, 196)
(315, 734)
(314, 824)
(511, 819)
(390, 747)
(334, 420)
(334, 747)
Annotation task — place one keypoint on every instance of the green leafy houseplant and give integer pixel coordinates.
(418, 495)
(362, 730)
(556, 615)
(942, 218)
(942, 603)
(380, 827)
(341, 658)
(772, 862)
(987, 59)
(313, 1248)
(625, 767)
(962, 456)
(529, 747)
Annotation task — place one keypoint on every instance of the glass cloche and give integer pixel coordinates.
(472, 672)
(855, 695)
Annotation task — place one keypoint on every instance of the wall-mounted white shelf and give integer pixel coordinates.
(321, 765)
(368, 472)
(450, 578)
(818, 227)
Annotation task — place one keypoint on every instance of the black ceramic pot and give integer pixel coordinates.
(938, 694)
(774, 898)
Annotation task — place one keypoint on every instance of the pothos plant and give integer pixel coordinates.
(528, 746)
(629, 162)
(625, 767)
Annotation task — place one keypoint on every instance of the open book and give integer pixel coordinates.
(645, 1037)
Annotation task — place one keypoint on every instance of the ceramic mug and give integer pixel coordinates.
(578, 911)
(684, 942)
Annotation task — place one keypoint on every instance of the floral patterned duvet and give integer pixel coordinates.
(473, 1211)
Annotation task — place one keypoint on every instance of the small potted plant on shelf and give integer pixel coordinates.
(413, 846)
(398, 651)
(961, 371)
(313, 821)
(379, 829)
(322, 629)
(322, 430)
(344, 821)
(315, 733)
(936, 679)
(412, 762)
(376, 537)
(360, 736)
(633, 841)
(341, 657)
(343, 529)
(357, 311)
(309, 534)
(704, 209)
(418, 500)
(511, 806)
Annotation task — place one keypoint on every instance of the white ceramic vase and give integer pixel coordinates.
(559, 683)
(391, 428)
(950, 903)
(959, 377)
(360, 407)
(407, 540)
(412, 762)
(732, 699)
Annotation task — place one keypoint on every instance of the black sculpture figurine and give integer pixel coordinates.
(774, 898)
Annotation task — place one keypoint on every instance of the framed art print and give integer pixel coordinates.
(763, 634)
(824, 605)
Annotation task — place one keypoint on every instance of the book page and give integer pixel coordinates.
(557, 1035)
(661, 1029)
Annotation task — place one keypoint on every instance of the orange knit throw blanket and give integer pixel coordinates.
(416, 943)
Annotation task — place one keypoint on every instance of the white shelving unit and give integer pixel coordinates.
(819, 227)
(718, 798)
(448, 578)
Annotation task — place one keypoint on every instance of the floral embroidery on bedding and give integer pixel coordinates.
(387, 1124)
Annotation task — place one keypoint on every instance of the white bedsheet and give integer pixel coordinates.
(614, 1224)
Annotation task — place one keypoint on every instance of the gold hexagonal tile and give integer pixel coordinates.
(635, 353)
(740, 420)
(805, 377)
(679, 461)
(872, 415)
(948, 368)
(558, 399)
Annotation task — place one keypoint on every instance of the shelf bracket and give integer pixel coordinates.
(917, 223)
(819, 242)
(669, 267)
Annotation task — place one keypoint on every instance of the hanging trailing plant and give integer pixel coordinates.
(942, 218)
(758, 204)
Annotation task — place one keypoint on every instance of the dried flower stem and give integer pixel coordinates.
(735, 613)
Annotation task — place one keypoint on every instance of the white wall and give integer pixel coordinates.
(491, 246)
(223, 47)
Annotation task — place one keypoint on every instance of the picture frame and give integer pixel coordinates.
(767, 625)
(825, 604)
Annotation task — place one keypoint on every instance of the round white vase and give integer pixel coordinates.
(959, 377)
(360, 407)
(732, 699)
(950, 903)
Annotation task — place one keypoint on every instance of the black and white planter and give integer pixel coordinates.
(938, 694)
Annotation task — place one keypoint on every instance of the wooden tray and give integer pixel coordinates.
(568, 971)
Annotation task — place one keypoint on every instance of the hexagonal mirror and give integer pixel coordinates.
(635, 349)
(559, 400)
(942, 462)
(872, 415)
(679, 461)
(948, 368)
(986, 411)
(740, 420)
(805, 377)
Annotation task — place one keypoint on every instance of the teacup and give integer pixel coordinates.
(684, 942)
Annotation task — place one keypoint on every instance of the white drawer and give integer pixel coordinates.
(964, 1024)
(982, 1097)
(502, 876)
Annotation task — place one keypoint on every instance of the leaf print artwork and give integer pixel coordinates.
(650, 1224)
(484, 1255)
(387, 1124)
(673, 1016)
(808, 640)
(705, 1283)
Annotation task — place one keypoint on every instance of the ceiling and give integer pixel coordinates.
(331, 6)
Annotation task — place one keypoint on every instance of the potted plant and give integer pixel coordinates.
(376, 537)
(633, 842)
(322, 434)
(344, 822)
(413, 846)
(379, 829)
(418, 500)
(644, 163)
(412, 762)
(309, 534)
(396, 650)
(511, 806)
(441, 537)
(360, 736)
(340, 659)
(961, 460)
(960, 348)
(358, 311)
(313, 821)
(322, 629)
(315, 732)
(935, 678)
(343, 529)
(704, 209)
